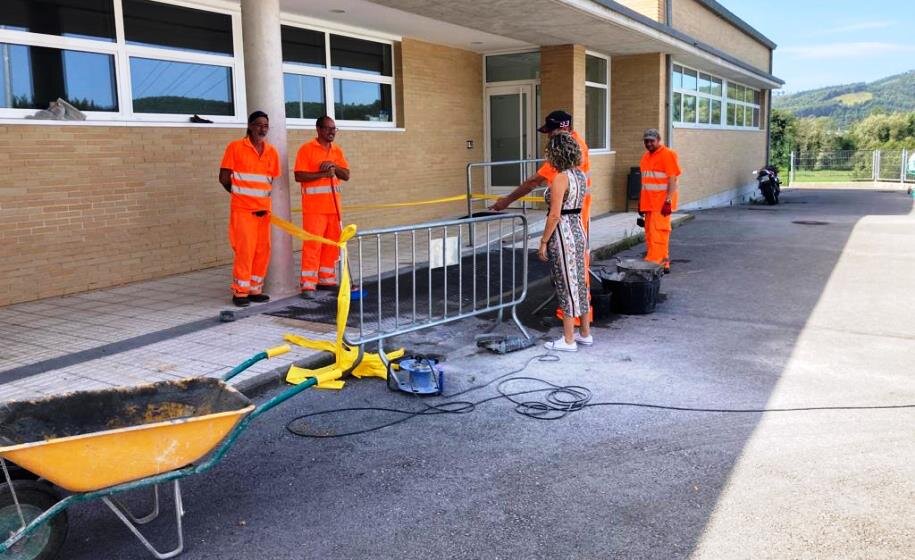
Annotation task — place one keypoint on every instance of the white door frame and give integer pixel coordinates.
(527, 139)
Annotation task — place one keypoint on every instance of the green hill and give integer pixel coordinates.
(849, 103)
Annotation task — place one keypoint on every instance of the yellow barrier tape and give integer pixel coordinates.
(345, 356)
(456, 198)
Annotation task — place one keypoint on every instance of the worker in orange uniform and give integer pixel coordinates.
(247, 171)
(660, 189)
(556, 123)
(319, 166)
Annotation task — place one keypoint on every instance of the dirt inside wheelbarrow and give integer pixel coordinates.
(87, 412)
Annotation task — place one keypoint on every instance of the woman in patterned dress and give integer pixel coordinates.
(564, 243)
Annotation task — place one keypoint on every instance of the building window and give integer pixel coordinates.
(708, 101)
(160, 61)
(513, 67)
(349, 78)
(33, 77)
(181, 59)
(597, 95)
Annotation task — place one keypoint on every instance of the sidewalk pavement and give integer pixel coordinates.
(169, 329)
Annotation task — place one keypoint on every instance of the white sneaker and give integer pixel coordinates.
(584, 340)
(560, 345)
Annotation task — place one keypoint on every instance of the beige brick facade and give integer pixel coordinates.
(85, 207)
(562, 86)
(651, 8)
(716, 161)
(637, 102)
(696, 20)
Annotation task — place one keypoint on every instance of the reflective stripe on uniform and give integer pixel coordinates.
(309, 285)
(242, 283)
(319, 190)
(327, 269)
(252, 177)
(653, 187)
(260, 193)
(654, 174)
(257, 279)
(309, 274)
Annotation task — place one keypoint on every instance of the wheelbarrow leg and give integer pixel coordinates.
(179, 513)
(146, 518)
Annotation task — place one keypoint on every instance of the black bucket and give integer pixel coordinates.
(602, 304)
(635, 292)
(636, 297)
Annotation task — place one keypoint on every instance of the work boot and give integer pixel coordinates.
(308, 294)
(241, 301)
(258, 298)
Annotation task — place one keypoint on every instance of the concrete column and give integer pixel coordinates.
(260, 24)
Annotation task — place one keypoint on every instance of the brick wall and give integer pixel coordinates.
(694, 19)
(562, 86)
(717, 160)
(84, 207)
(637, 102)
(650, 8)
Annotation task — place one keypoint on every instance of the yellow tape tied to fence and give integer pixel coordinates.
(346, 357)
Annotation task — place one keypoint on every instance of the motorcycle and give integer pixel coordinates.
(769, 184)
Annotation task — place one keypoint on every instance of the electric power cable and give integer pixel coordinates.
(558, 402)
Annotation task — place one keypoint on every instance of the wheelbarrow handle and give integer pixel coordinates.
(269, 353)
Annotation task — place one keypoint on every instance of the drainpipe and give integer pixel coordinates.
(668, 92)
(669, 129)
(768, 114)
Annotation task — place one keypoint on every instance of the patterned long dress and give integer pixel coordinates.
(566, 249)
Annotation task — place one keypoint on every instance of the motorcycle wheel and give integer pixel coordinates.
(769, 194)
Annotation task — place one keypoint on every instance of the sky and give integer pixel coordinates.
(832, 42)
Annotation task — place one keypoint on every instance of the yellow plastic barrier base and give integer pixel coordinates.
(329, 376)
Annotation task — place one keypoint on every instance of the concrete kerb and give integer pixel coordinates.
(276, 376)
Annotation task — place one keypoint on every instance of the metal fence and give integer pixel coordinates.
(419, 276)
(853, 165)
(525, 168)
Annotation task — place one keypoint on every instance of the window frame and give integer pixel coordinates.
(606, 87)
(723, 99)
(328, 74)
(122, 52)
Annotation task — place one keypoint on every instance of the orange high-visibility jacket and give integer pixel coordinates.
(657, 168)
(320, 196)
(252, 174)
(549, 172)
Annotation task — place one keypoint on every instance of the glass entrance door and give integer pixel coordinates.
(510, 135)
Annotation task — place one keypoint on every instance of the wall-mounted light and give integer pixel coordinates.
(470, 144)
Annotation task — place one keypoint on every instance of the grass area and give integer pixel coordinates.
(826, 176)
(850, 99)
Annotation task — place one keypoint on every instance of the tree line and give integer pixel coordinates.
(809, 135)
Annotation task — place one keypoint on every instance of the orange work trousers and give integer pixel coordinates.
(319, 260)
(249, 236)
(586, 223)
(657, 238)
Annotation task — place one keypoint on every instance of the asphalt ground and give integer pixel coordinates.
(760, 312)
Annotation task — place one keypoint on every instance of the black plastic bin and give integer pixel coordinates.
(635, 286)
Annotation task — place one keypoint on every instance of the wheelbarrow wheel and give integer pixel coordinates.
(34, 499)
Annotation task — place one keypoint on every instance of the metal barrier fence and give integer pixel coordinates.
(419, 276)
(853, 165)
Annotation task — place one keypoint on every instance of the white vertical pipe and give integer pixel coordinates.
(263, 56)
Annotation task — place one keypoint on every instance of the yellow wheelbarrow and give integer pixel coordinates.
(96, 444)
